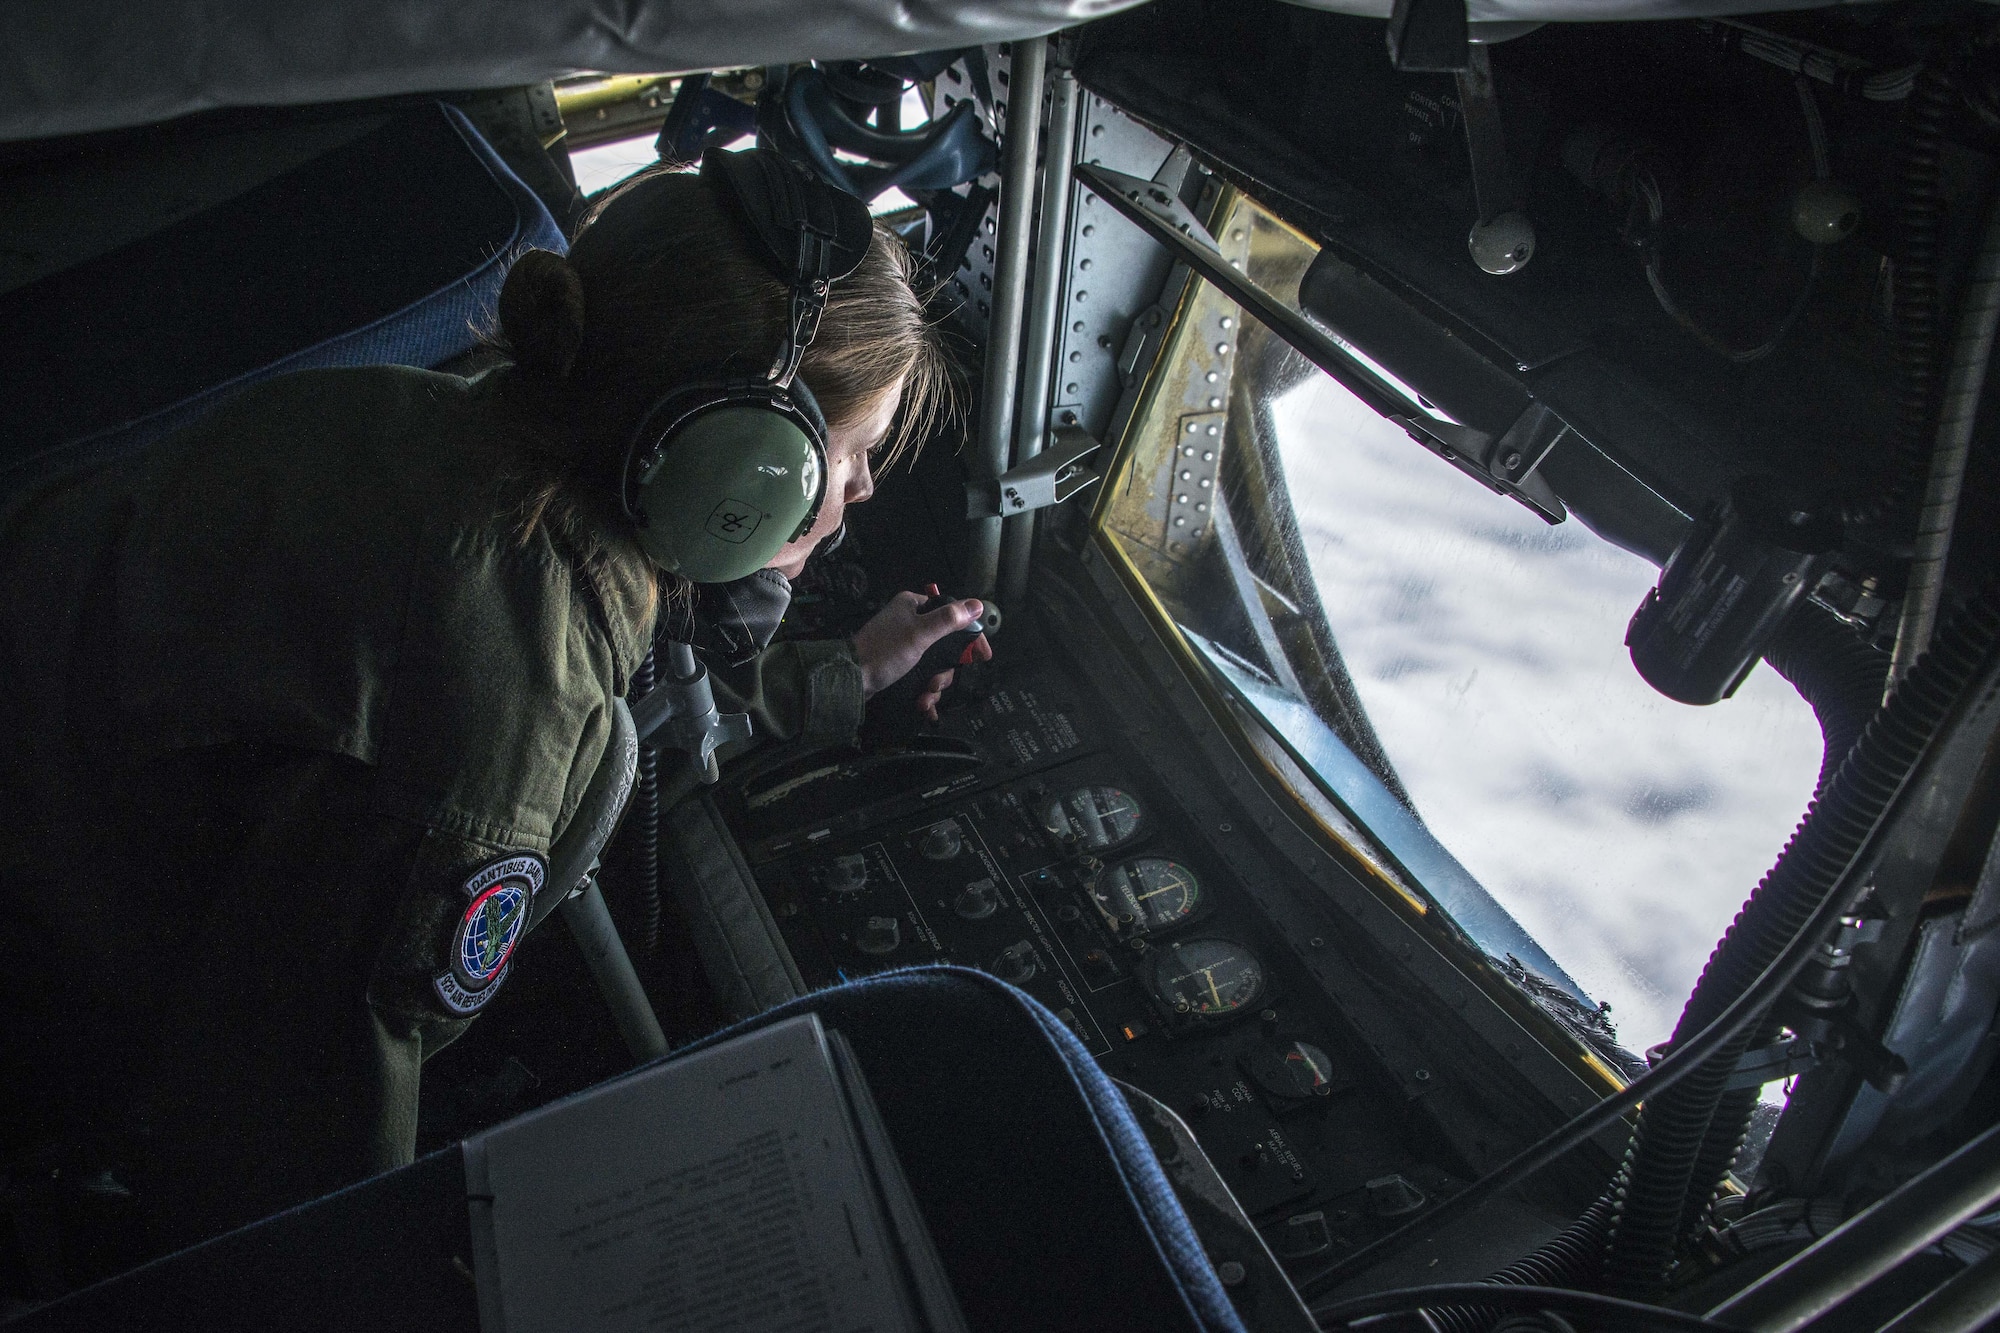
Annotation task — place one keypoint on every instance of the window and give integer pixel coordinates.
(1450, 667)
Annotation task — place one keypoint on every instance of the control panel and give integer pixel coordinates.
(1022, 839)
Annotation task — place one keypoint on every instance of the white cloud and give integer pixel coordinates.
(1622, 829)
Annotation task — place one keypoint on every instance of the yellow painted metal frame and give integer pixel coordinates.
(1370, 864)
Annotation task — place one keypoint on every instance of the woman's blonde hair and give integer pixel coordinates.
(663, 289)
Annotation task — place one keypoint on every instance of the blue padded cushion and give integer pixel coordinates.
(1057, 1212)
(383, 250)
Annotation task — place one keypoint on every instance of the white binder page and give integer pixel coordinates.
(719, 1191)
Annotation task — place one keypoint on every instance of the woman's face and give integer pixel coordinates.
(849, 478)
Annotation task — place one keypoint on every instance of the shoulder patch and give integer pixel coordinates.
(499, 897)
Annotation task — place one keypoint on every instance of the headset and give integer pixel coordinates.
(719, 476)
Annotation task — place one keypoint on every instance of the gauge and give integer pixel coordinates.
(1205, 978)
(1295, 1071)
(1145, 894)
(1095, 818)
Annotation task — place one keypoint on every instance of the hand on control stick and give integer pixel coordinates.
(890, 645)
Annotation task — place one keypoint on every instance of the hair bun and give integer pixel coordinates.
(541, 313)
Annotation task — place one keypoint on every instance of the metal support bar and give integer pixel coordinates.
(1961, 1305)
(679, 713)
(1506, 466)
(1965, 383)
(1044, 480)
(1428, 36)
(1769, 1064)
(1163, 217)
(1010, 285)
(1044, 319)
(1493, 191)
(590, 922)
(1502, 239)
(1866, 1246)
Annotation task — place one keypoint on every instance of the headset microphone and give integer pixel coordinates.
(718, 477)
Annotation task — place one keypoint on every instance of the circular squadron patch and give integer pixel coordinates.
(499, 897)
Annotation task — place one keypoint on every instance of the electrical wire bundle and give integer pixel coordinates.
(1648, 235)
(1837, 69)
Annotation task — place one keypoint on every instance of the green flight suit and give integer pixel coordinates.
(275, 687)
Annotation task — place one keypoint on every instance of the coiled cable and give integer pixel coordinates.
(646, 822)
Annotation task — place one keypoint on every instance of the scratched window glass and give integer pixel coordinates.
(1468, 653)
(1486, 648)
(1622, 829)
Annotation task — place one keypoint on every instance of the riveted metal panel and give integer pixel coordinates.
(969, 290)
(1114, 275)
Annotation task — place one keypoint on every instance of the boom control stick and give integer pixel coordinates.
(897, 705)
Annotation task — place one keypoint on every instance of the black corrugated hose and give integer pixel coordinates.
(1674, 1122)
(1840, 676)
(646, 822)
(1837, 672)
(1657, 1182)
(1570, 1260)
(1688, 1138)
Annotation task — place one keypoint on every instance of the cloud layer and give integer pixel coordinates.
(1622, 829)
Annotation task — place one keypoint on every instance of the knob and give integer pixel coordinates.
(880, 935)
(1503, 245)
(848, 874)
(1393, 1196)
(1825, 212)
(1016, 962)
(942, 841)
(977, 900)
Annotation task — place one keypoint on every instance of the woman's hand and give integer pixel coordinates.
(890, 644)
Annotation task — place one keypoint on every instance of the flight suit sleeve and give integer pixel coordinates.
(804, 692)
(336, 949)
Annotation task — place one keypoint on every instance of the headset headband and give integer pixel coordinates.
(808, 232)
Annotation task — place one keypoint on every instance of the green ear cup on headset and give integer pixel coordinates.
(727, 490)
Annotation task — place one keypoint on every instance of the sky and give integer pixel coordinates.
(1622, 829)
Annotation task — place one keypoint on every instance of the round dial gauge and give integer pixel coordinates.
(1097, 818)
(1293, 1072)
(1206, 978)
(1146, 893)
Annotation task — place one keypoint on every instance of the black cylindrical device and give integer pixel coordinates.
(1742, 568)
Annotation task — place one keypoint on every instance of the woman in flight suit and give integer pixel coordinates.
(299, 698)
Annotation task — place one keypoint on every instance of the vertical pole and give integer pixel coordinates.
(1044, 320)
(1010, 282)
(631, 1012)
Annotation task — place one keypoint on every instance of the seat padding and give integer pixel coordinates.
(384, 250)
